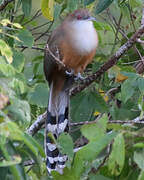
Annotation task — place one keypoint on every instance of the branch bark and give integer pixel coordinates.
(4, 4)
(37, 125)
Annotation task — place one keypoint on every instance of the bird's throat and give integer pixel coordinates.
(83, 36)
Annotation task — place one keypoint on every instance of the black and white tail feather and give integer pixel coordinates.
(56, 123)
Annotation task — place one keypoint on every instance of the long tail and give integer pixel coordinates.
(57, 122)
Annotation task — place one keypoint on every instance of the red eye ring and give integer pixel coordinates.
(79, 17)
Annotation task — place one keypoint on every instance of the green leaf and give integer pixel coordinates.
(26, 7)
(89, 152)
(98, 177)
(72, 5)
(117, 156)
(57, 11)
(84, 156)
(33, 144)
(19, 110)
(67, 175)
(100, 26)
(18, 61)
(102, 5)
(16, 160)
(26, 37)
(66, 144)
(18, 86)
(87, 2)
(6, 51)
(16, 170)
(135, 3)
(7, 70)
(138, 158)
(139, 145)
(84, 104)
(12, 131)
(39, 95)
(128, 88)
(141, 84)
(95, 131)
(47, 8)
(141, 176)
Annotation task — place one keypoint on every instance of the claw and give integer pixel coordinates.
(72, 74)
(79, 77)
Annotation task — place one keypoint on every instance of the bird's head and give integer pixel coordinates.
(81, 15)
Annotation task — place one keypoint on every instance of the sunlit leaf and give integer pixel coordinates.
(47, 7)
(17, 25)
(6, 51)
(5, 22)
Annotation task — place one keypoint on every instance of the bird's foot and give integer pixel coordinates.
(78, 77)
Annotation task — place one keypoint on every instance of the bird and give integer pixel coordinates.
(74, 43)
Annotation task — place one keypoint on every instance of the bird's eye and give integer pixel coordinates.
(79, 17)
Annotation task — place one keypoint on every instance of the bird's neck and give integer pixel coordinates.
(82, 36)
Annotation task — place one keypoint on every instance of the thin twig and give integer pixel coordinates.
(133, 62)
(37, 27)
(4, 4)
(104, 160)
(37, 14)
(141, 121)
(44, 32)
(57, 60)
(37, 125)
(33, 47)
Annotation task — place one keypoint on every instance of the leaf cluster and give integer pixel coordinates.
(111, 151)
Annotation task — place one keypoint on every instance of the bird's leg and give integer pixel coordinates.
(78, 77)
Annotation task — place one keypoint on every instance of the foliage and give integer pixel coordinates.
(113, 151)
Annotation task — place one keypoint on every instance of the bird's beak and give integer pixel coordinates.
(91, 18)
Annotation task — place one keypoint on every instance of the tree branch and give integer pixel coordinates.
(37, 125)
(57, 60)
(4, 4)
(33, 47)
